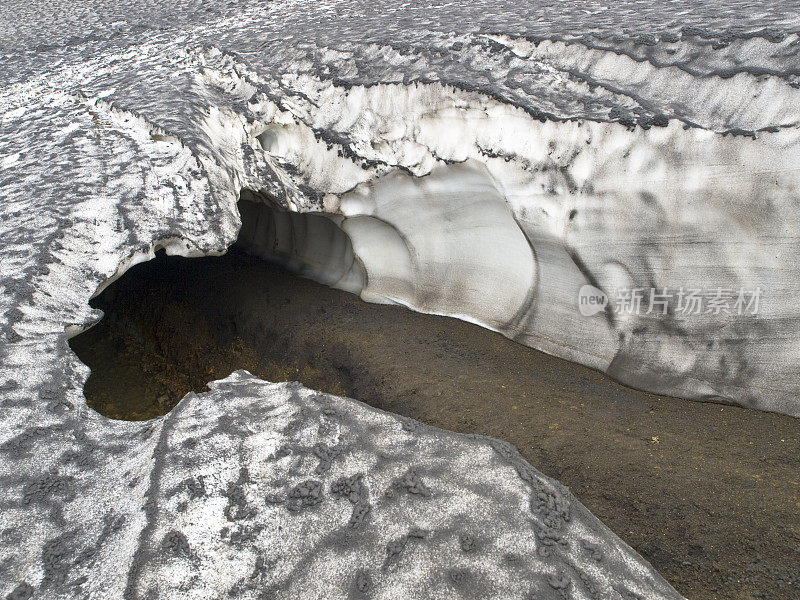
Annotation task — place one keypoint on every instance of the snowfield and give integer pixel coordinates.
(479, 160)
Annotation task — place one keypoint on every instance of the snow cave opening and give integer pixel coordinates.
(173, 324)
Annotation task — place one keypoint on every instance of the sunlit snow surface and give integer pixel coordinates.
(486, 160)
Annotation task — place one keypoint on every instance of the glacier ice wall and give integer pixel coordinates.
(458, 204)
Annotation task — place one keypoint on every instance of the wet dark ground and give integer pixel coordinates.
(709, 494)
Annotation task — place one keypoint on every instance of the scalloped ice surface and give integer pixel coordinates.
(598, 134)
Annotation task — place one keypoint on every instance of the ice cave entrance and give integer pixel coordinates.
(173, 324)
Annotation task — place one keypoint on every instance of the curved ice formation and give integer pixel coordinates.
(446, 244)
(463, 158)
(500, 219)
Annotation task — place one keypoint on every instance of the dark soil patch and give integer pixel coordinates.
(709, 494)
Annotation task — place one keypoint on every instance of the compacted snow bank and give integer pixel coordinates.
(472, 176)
(457, 204)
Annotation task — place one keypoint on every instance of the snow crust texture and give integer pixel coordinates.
(483, 160)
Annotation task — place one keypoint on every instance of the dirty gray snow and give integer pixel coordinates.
(481, 160)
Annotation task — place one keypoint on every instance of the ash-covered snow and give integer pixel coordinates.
(510, 151)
